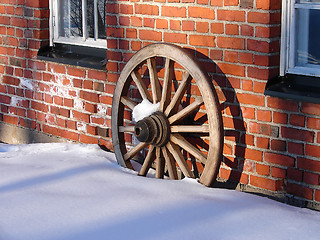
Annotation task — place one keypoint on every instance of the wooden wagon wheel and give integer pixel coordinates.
(185, 136)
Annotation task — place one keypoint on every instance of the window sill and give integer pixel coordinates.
(296, 87)
(74, 55)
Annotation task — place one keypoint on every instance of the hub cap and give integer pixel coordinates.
(153, 129)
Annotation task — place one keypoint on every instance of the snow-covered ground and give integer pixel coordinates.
(73, 191)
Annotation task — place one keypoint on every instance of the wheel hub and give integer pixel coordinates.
(154, 129)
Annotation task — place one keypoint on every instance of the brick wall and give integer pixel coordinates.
(271, 144)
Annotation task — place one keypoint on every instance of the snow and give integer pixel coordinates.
(144, 109)
(66, 191)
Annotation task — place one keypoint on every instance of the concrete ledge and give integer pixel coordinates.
(17, 135)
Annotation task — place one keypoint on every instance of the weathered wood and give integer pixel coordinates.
(167, 84)
(147, 161)
(170, 163)
(154, 81)
(159, 163)
(189, 129)
(129, 129)
(134, 151)
(176, 153)
(183, 143)
(128, 102)
(140, 85)
(175, 101)
(186, 111)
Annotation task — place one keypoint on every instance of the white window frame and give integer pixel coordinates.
(80, 41)
(288, 40)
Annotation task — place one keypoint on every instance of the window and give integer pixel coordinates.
(77, 33)
(300, 52)
(78, 22)
(300, 48)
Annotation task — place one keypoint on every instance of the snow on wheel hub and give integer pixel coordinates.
(154, 129)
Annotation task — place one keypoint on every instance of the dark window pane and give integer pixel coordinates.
(308, 37)
(70, 18)
(98, 21)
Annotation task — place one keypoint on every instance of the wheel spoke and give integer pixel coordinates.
(176, 153)
(159, 163)
(128, 102)
(167, 84)
(183, 143)
(186, 111)
(154, 81)
(129, 129)
(147, 162)
(174, 104)
(172, 169)
(134, 151)
(141, 86)
(190, 129)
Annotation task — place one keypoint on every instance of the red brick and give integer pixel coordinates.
(148, 22)
(217, 28)
(229, 42)
(297, 120)
(150, 35)
(262, 169)
(266, 183)
(88, 139)
(126, 9)
(37, 3)
(162, 24)
(268, 4)
(279, 159)
(296, 148)
(278, 172)
(247, 85)
(311, 108)
(232, 29)
(311, 178)
(317, 195)
(97, 75)
(231, 2)
(312, 150)
(146, 9)
(231, 15)
(175, 37)
(202, 27)
(294, 174)
(280, 117)
(246, 57)
(170, 11)
(251, 99)
(313, 123)
(308, 164)
(252, 154)
(230, 56)
(282, 104)
(297, 134)
(81, 116)
(69, 135)
(247, 30)
(263, 115)
(201, 40)
(300, 191)
(258, 46)
(258, 17)
(89, 96)
(201, 12)
(188, 25)
(263, 142)
(278, 145)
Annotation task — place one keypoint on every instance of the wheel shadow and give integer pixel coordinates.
(231, 169)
